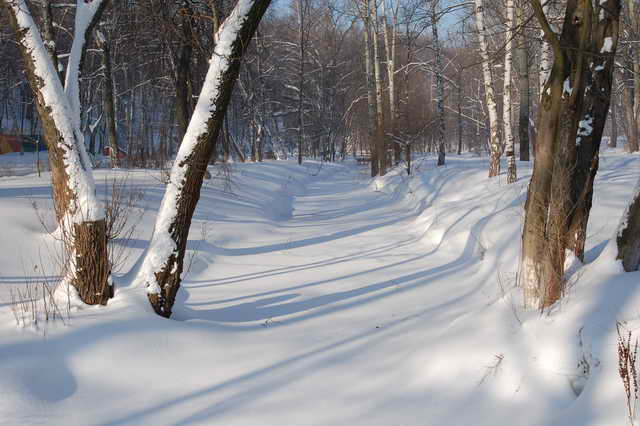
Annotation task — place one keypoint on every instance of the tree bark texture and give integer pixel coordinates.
(506, 109)
(566, 136)
(162, 270)
(79, 214)
(495, 146)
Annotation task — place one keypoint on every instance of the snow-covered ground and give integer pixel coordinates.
(317, 296)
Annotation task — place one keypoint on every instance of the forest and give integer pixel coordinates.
(319, 212)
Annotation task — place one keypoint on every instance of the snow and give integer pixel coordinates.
(315, 298)
(84, 16)
(567, 89)
(607, 45)
(585, 128)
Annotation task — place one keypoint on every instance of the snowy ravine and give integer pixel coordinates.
(317, 296)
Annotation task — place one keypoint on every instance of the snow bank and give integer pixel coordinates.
(349, 302)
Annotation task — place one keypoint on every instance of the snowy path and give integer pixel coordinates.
(345, 245)
(341, 285)
(319, 297)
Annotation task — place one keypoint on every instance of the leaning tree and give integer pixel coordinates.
(161, 272)
(80, 215)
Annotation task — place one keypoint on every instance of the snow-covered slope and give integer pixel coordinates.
(317, 296)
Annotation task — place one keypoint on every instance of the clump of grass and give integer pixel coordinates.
(34, 303)
(627, 355)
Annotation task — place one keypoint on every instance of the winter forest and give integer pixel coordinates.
(319, 212)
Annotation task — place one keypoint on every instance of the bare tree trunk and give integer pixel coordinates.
(494, 137)
(628, 234)
(86, 17)
(613, 137)
(226, 145)
(371, 104)
(459, 113)
(164, 262)
(254, 151)
(546, 54)
(631, 79)
(236, 149)
(302, 4)
(439, 74)
(390, 48)
(565, 123)
(80, 215)
(506, 116)
(183, 73)
(629, 116)
(597, 98)
(109, 101)
(380, 124)
(48, 33)
(525, 91)
(259, 142)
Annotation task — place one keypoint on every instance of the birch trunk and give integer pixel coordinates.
(390, 48)
(494, 137)
(546, 54)
(506, 110)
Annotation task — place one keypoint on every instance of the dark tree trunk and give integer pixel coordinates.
(547, 205)
(183, 73)
(628, 236)
(85, 239)
(371, 103)
(628, 102)
(525, 93)
(560, 190)
(597, 98)
(109, 103)
(189, 170)
(613, 139)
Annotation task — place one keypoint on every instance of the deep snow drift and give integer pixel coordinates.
(317, 296)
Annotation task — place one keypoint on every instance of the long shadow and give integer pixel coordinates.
(300, 243)
(29, 279)
(318, 240)
(259, 310)
(265, 308)
(356, 274)
(295, 364)
(297, 268)
(30, 192)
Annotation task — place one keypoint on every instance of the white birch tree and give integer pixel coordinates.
(494, 135)
(507, 97)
